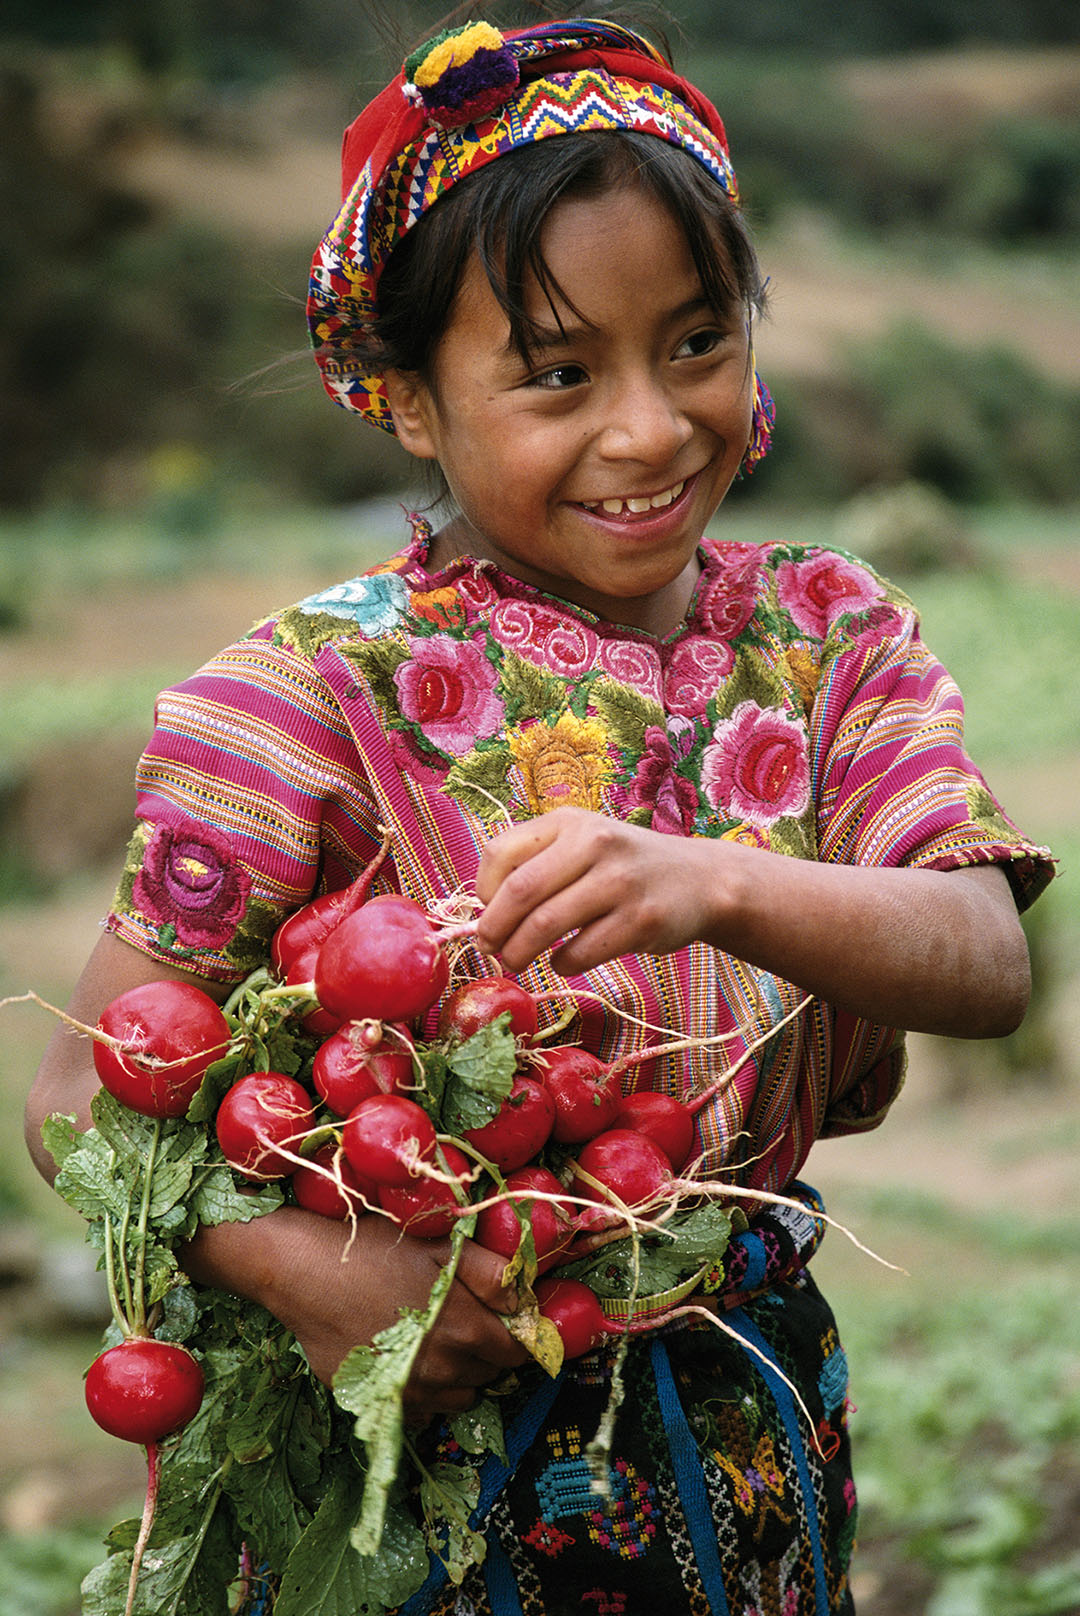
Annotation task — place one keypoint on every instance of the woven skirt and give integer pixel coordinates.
(722, 1494)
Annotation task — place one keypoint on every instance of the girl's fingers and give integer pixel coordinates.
(510, 849)
(541, 888)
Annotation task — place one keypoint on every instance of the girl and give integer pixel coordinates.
(733, 778)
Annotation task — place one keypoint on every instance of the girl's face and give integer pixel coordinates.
(591, 470)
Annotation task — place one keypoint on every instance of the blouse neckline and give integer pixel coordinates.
(415, 570)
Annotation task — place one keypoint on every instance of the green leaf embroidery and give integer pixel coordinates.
(753, 678)
(626, 715)
(380, 660)
(529, 691)
(481, 781)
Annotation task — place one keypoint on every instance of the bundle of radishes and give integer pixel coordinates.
(312, 1084)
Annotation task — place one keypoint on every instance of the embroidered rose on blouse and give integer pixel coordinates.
(673, 799)
(544, 636)
(447, 689)
(629, 663)
(477, 590)
(728, 601)
(563, 765)
(693, 673)
(824, 587)
(756, 767)
(882, 622)
(376, 603)
(191, 882)
(412, 762)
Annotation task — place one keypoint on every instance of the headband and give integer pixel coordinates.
(464, 99)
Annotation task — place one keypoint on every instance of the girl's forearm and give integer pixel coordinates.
(931, 951)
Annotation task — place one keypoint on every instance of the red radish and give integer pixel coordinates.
(348, 1067)
(425, 1207)
(385, 1136)
(260, 1112)
(628, 1165)
(309, 926)
(169, 1033)
(318, 1022)
(661, 1118)
(305, 929)
(498, 1227)
(519, 1129)
(143, 1389)
(576, 1314)
(383, 963)
(586, 1098)
(476, 1004)
(317, 1189)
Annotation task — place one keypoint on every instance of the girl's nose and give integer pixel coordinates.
(643, 422)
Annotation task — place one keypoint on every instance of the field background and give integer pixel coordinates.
(160, 495)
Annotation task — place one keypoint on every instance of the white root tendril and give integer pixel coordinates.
(143, 1060)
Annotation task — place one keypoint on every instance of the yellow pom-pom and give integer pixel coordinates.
(455, 49)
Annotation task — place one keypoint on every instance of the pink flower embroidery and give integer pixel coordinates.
(191, 880)
(728, 602)
(447, 688)
(882, 622)
(756, 767)
(631, 664)
(546, 637)
(673, 799)
(411, 761)
(819, 590)
(476, 590)
(693, 673)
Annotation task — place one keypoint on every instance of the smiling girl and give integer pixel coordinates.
(697, 784)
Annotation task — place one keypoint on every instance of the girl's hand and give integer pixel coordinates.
(936, 951)
(331, 1305)
(620, 888)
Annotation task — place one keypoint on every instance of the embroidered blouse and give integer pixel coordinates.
(795, 708)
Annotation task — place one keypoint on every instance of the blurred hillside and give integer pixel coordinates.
(165, 171)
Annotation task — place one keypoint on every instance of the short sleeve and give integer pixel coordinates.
(893, 782)
(249, 796)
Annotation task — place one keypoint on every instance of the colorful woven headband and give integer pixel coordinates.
(462, 100)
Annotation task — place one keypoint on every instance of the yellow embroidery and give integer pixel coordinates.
(804, 671)
(564, 765)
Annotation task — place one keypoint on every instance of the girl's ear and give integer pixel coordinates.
(413, 409)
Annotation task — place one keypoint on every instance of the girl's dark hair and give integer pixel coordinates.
(500, 211)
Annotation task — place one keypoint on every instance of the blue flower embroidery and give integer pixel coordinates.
(376, 603)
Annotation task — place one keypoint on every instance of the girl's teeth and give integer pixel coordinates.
(637, 507)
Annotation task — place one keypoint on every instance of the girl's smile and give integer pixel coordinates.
(590, 467)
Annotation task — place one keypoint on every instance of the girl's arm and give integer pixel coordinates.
(921, 949)
(295, 1263)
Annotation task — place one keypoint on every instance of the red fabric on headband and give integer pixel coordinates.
(390, 123)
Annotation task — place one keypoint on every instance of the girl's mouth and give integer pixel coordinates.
(638, 505)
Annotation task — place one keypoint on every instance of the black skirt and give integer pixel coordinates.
(729, 1486)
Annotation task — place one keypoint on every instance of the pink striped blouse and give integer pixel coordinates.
(795, 708)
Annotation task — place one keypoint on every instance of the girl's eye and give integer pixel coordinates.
(699, 343)
(559, 377)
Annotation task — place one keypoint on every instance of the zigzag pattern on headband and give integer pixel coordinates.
(379, 210)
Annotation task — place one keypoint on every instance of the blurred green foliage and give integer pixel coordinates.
(980, 424)
(218, 37)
